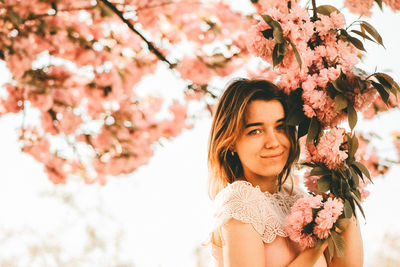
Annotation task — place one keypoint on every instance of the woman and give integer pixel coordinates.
(251, 154)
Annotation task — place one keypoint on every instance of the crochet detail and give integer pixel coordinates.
(265, 211)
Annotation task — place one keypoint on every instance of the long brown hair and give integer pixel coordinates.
(228, 124)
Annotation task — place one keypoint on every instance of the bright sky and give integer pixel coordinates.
(161, 211)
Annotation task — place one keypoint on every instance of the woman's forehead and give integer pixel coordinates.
(264, 111)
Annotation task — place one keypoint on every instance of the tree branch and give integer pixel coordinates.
(150, 45)
(314, 7)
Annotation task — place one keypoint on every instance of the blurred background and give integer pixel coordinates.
(160, 214)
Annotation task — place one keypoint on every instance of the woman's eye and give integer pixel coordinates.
(280, 127)
(254, 132)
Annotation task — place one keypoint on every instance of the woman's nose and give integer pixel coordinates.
(271, 140)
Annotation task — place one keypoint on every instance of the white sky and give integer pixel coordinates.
(162, 209)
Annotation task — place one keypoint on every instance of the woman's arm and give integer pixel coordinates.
(308, 257)
(242, 245)
(353, 251)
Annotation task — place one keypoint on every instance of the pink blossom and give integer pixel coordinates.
(311, 182)
(48, 125)
(327, 217)
(41, 101)
(257, 44)
(394, 4)
(361, 7)
(192, 68)
(301, 215)
(328, 149)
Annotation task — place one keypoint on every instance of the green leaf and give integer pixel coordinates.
(331, 247)
(354, 145)
(338, 241)
(278, 32)
(372, 31)
(268, 19)
(276, 27)
(348, 210)
(358, 171)
(324, 184)
(358, 204)
(330, 90)
(282, 49)
(363, 35)
(313, 129)
(355, 178)
(295, 117)
(342, 223)
(352, 116)
(296, 53)
(379, 2)
(14, 17)
(327, 10)
(276, 59)
(357, 43)
(319, 171)
(341, 84)
(362, 84)
(303, 127)
(384, 79)
(387, 82)
(363, 169)
(340, 102)
(382, 91)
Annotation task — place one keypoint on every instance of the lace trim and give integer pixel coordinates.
(247, 203)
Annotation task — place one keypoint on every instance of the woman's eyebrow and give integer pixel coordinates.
(260, 123)
(253, 124)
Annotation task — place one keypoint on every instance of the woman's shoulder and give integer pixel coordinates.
(238, 190)
(242, 201)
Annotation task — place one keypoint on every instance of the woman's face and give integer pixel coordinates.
(263, 147)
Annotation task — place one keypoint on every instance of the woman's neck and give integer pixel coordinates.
(266, 184)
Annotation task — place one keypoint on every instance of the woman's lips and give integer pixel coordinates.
(276, 155)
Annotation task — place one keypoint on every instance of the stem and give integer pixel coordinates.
(351, 24)
(150, 45)
(314, 6)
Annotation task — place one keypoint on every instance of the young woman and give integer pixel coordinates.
(251, 154)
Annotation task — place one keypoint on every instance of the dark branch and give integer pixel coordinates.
(150, 45)
(314, 7)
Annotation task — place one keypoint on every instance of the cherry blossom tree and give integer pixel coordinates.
(79, 62)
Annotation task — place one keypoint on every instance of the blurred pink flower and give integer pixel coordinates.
(362, 7)
(311, 182)
(194, 69)
(394, 4)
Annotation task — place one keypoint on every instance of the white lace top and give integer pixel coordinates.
(265, 211)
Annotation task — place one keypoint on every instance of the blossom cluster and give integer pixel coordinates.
(324, 56)
(328, 150)
(363, 7)
(312, 218)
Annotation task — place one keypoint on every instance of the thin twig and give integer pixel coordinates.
(314, 5)
(150, 45)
